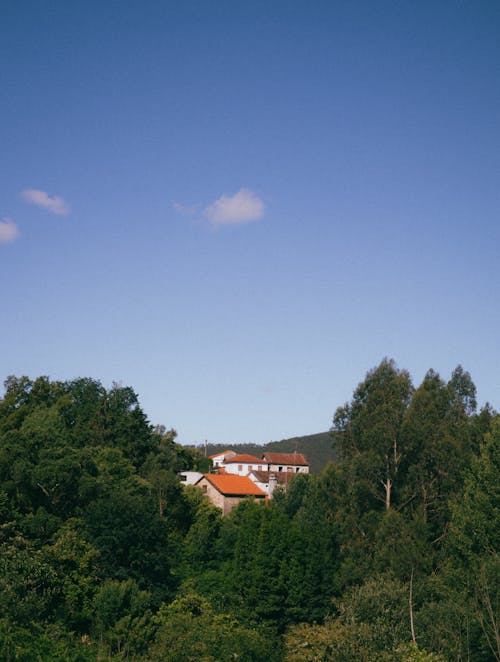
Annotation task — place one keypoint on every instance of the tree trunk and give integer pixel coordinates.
(388, 486)
(424, 502)
(411, 609)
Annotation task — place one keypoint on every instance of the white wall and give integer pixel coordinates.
(244, 468)
(290, 468)
(190, 477)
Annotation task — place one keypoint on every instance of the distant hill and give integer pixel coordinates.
(318, 449)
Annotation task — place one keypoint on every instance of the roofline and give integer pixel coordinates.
(230, 494)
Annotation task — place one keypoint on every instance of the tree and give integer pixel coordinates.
(75, 564)
(188, 629)
(370, 426)
(463, 391)
(134, 541)
(475, 536)
(435, 435)
(311, 559)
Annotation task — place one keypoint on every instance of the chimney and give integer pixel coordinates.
(273, 481)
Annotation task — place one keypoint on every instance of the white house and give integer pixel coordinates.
(242, 464)
(288, 462)
(265, 472)
(190, 477)
(267, 481)
(218, 458)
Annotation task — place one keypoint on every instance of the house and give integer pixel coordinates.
(190, 477)
(228, 490)
(269, 480)
(259, 469)
(218, 458)
(242, 464)
(265, 473)
(289, 462)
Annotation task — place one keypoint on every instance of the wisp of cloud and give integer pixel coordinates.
(54, 204)
(242, 207)
(9, 231)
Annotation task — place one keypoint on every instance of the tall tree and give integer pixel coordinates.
(369, 427)
(435, 436)
(475, 536)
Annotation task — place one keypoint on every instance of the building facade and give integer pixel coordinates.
(228, 490)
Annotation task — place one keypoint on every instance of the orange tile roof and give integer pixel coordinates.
(244, 459)
(233, 485)
(286, 458)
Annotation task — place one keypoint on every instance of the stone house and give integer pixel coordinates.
(228, 490)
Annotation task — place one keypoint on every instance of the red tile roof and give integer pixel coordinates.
(244, 459)
(286, 458)
(233, 485)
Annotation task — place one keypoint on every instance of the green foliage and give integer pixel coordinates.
(189, 630)
(133, 540)
(29, 588)
(475, 530)
(42, 644)
(438, 448)
(338, 642)
(372, 625)
(310, 562)
(105, 555)
(75, 564)
(200, 542)
(380, 603)
(74, 509)
(401, 546)
(472, 573)
(369, 428)
(114, 605)
(412, 653)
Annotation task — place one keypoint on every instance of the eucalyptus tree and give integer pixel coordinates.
(369, 428)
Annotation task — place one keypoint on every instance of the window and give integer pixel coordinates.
(280, 468)
(289, 468)
(204, 488)
(240, 467)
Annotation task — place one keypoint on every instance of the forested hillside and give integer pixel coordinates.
(319, 448)
(389, 554)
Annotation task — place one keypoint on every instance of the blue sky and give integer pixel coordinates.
(238, 208)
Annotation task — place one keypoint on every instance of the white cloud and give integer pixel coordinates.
(41, 199)
(9, 231)
(242, 207)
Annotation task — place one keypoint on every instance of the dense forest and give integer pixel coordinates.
(389, 554)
